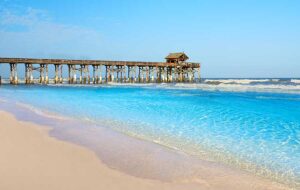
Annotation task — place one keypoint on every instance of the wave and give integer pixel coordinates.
(278, 85)
(285, 81)
(234, 81)
(3, 100)
(41, 112)
(297, 81)
(241, 87)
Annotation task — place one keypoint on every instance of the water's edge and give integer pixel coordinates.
(140, 157)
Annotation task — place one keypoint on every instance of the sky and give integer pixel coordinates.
(231, 39)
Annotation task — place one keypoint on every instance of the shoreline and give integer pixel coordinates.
(31, 159)
(213, 176)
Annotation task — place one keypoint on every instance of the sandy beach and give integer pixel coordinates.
(31, 159)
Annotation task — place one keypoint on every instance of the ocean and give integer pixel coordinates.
(250, 124)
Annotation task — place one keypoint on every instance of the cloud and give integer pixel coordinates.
(39, 36)
(29, 18)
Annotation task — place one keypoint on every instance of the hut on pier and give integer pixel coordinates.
(176, 57)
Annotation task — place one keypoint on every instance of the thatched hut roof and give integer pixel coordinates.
(177, 56)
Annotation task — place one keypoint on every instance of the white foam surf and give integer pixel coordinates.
(296, 81)
(41, 112)
(234, 81)
(242, 87)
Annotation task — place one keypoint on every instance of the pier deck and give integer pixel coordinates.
(94, 62)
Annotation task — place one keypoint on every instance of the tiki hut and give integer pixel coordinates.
(176, 57)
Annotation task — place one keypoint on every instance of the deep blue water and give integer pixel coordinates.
(256, 131)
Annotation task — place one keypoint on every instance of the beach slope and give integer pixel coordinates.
(30, 159)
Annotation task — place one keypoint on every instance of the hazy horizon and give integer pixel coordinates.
(231, 39)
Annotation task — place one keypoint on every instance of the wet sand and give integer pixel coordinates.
(31, 159)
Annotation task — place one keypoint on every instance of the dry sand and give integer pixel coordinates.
(31, 160)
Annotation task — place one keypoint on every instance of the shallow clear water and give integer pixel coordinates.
(255, 131)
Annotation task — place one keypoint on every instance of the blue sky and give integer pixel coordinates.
(249, 38)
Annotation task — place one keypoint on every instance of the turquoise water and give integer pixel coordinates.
(256, 131)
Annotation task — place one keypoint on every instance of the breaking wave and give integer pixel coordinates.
(244, 85)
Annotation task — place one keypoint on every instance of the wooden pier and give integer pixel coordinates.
(175, 69)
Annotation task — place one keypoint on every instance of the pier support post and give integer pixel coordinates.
(112, 71)
(31, 81)
(139, 75)
(108, 73)
(42, 73)
(118, 70)
(56, 73)
(194, 78)
(193, 74)
(94, 74)
(69, 74)
(16, 74)
(97, 74)
(88, 74)
(143, 73)
(151, 74)
(199, 75)
(135, 77)
(26, 73)
(132, 73)
(163, 74)
(61, 74)
(13, 73)
(83, 75)
(180, 75)
(171, 78)
(189, 74)
(169, 74)
(147, 74)
(47, 77)
(159, 72)
(124, 73)
(80, 77)
(74, 72)
(106, 70)
(128, 73)
(100, 74)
